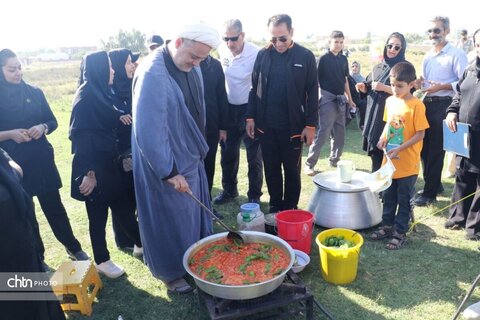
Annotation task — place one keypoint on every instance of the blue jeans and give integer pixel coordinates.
(399, 195)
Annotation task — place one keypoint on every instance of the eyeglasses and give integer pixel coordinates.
(391, 46)
(281, 39)
(434, 30)
(233, 39)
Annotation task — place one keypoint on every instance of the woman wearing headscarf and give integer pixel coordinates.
(122, 99)
(19, 248)
(359, 99)
(355, 72)
(124, 67)
(95, 172)
(377, 88)
(26, 119)
(122, 83)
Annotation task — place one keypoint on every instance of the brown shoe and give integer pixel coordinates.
(397, 242)
(382, 233)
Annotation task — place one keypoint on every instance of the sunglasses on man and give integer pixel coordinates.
(390, 46)
(434, 30)
(281, 39)
(233, 39)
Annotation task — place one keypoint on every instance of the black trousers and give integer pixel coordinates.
(212, 141)
(230, 152)
(432, 153)
(57, 218)
(122, 239)
(278, 151)
(466, 212)
(362, 108)
(97, 219)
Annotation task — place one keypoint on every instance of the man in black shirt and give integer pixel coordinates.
(216, 105)
(334, 97)
(282, 110)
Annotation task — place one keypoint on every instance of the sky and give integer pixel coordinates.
(34, 24)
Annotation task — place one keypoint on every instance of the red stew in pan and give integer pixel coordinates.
(229, 263)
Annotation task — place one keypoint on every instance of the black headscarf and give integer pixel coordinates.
(92, 105)
(12, 95)
(96, 75)
(374, 123)
(122, 85)
(401, 55)
(19, 248)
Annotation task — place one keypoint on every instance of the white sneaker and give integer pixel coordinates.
(449, 175)
(109, 269)
(137, 251)
(309, 171)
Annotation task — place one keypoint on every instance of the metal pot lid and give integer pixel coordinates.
(329, 180)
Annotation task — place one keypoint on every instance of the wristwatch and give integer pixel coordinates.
(45, 127)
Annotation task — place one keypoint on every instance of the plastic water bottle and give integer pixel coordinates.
(251, 218)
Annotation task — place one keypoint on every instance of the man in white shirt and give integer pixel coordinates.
(238, 57)
(443, 66)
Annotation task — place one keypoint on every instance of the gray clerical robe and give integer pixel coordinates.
(164, 138)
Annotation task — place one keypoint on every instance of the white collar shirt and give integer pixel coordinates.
(238, 71)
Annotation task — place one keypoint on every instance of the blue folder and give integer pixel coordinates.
(457, 142)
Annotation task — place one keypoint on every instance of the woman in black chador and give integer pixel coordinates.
(19, 248)
(377, 88)
(96, 177)
(122, 99)
(26, 119)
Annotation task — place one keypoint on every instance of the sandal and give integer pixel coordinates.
(381, 233)
(178, 286)
(397, 241)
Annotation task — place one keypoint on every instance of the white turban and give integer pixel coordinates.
(201, 32)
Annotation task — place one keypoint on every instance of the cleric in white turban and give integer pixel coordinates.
(168, 148)
(201, 32)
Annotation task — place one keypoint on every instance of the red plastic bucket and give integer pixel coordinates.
(295, 227)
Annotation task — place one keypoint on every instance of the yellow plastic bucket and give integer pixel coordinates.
(339, 266)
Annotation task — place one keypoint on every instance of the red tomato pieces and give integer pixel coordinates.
(225, 262)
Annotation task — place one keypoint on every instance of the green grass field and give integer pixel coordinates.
(427, 279)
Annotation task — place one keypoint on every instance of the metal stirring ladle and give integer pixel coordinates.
(235, 236)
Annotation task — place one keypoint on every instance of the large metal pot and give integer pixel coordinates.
(349, 205)
(240, 292)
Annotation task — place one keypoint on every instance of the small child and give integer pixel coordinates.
(403, 139)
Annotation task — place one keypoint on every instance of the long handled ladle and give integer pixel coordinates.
(235, 236)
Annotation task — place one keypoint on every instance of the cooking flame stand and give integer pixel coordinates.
(291, 299)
